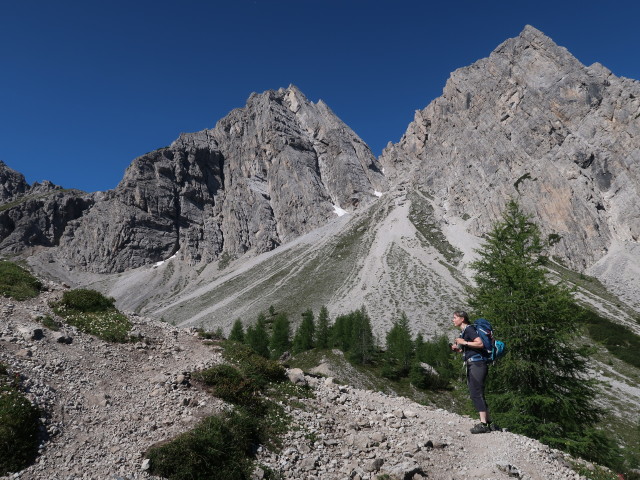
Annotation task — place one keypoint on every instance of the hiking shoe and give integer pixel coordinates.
(494, 427)
(481, 428)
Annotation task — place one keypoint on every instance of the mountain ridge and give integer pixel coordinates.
(528, 122)
(226, 222)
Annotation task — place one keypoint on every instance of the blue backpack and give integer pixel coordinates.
(493, 349)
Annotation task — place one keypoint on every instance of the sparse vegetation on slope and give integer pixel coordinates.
(223, 446)
(620, 341)
(26, 198)
(219, 447)
(422, 216)
(16, 282)
(93, 313)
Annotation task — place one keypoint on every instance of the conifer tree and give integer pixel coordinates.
(418, 345)
(218, 334)
(280, 336)
(257, 338)
(399, 352)
(341, 331)
(303, 339)
(437, 354)
(540, 388)
(362, 344)
(237, 332)
(323, 331)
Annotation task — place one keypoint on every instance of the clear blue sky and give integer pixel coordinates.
(87, 86)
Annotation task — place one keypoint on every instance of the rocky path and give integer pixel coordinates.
(358, 434)
(106, 404)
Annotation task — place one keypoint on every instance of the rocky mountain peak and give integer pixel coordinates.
(531, 37)
(12, 183)
(268, 172)
(531, 122)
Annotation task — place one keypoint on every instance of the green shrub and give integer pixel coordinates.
(261, 370)
(49, 322)
(85, 300)
(421, 378)
(208, 335)
(16, 282)
(229, 384)
(219, 447)
(18, 426)
(93, 313)
(223, 446)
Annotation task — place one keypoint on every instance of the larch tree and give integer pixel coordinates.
(541, 388)
(303, 339)
(280, 336)
(257, 337)
(400, 351)
(323, 331)
(237, 331)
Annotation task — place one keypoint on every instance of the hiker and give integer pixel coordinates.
(470, 344)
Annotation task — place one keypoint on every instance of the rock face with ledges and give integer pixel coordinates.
(531, 122)
(264, 175)
(12, 183)
(35, 215)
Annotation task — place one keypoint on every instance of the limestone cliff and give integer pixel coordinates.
(531, 122)
(35, 215)
(265, 174)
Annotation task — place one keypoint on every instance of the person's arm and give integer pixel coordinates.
(475, 343)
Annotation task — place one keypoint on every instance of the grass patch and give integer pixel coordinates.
(18, 426)
(261, 370)
(225, 259)
(27, 198)
(229, 384)
(49, 323)
(370, 377)
(422, 216)
(619, 340)
(16, 282)
(596, 472)
(219, 447)
(93, 313)
(591, 285)
(626, 433)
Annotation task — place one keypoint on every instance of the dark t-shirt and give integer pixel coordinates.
(469, 334)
